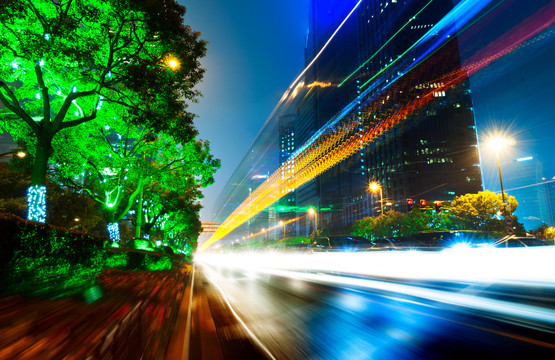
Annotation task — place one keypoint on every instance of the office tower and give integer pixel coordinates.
(432, 154)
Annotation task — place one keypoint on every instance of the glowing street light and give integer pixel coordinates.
(313, 212)
(283, 224)
(173, 63)
(498, 143)
(374, 187)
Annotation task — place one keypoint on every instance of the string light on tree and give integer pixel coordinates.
(36, 203)
(113, 230)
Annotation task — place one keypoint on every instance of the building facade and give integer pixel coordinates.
(431, 155)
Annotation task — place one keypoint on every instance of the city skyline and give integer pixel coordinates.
(485, 109)
(532, 62)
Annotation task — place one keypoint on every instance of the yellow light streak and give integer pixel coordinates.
(379, 115)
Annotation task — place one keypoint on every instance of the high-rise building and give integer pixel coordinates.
(363, 66)
(522, 178)
(286, 208)
(431, 155)
(549, 192)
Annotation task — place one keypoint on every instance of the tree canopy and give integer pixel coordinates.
(62, 63)
(481, 211)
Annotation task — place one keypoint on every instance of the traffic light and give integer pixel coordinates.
(438, 206)
(410, 203)
(423, 203)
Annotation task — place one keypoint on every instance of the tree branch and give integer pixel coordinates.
(130, 201)
(67, 103)
(44, 93)
(38, 15)
(80, 121)
(14, 106)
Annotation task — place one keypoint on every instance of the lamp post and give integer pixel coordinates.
(498, 143)
(312, 212)
(282, 223)
(374, 187)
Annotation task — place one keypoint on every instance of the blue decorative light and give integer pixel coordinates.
(113, 230)
(36, 203)
(47, 36)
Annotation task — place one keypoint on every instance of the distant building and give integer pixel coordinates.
(286, 206)
(549, 192)
(432, 155)
(522, 178)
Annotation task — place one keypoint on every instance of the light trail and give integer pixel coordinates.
(522, 267)
(325, 45)
(385, 44)
(527, 267)
(384, 104)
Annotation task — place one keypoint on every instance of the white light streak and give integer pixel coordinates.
(325, 46)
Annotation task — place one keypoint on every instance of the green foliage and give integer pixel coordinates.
(295, 240)
(467, 212)
(318, 234)
(158, 264)
(140, 245)
(43, 260)
(66, 63)
(138, 260)
(113, 165)
(394, 223)
(482, 211)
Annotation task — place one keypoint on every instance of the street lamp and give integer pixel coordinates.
(20, 154)
(173, 63)
(374, 187)
(499, 143)
(312, 212)
(283, 224)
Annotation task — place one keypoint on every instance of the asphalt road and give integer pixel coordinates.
(245, 315)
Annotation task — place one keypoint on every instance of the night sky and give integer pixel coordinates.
(257, 48)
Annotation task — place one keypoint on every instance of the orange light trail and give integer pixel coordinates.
(380, 114)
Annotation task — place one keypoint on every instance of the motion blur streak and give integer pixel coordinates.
(520, 266)
(325, 45)
(388, 101)
(517, 267)
(251, 334)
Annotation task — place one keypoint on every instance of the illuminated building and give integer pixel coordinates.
(549, 191)
(431, 155)
(286, 206)
(522, 178)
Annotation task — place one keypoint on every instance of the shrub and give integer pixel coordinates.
(130, 259)
(39, 259)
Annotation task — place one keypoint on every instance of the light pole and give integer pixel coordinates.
(282, 223)
(498, 143)
(374, 186)
(312, 212)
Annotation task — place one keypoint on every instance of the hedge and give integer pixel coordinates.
(43, 260)
(129, 259)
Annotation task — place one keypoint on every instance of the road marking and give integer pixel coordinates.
(251, 334)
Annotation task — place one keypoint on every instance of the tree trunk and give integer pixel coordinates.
(113, 230)
(140, 215)
(36, 193)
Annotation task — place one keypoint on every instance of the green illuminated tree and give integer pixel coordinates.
(113, 164)
(62, 61)
(172, 213)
